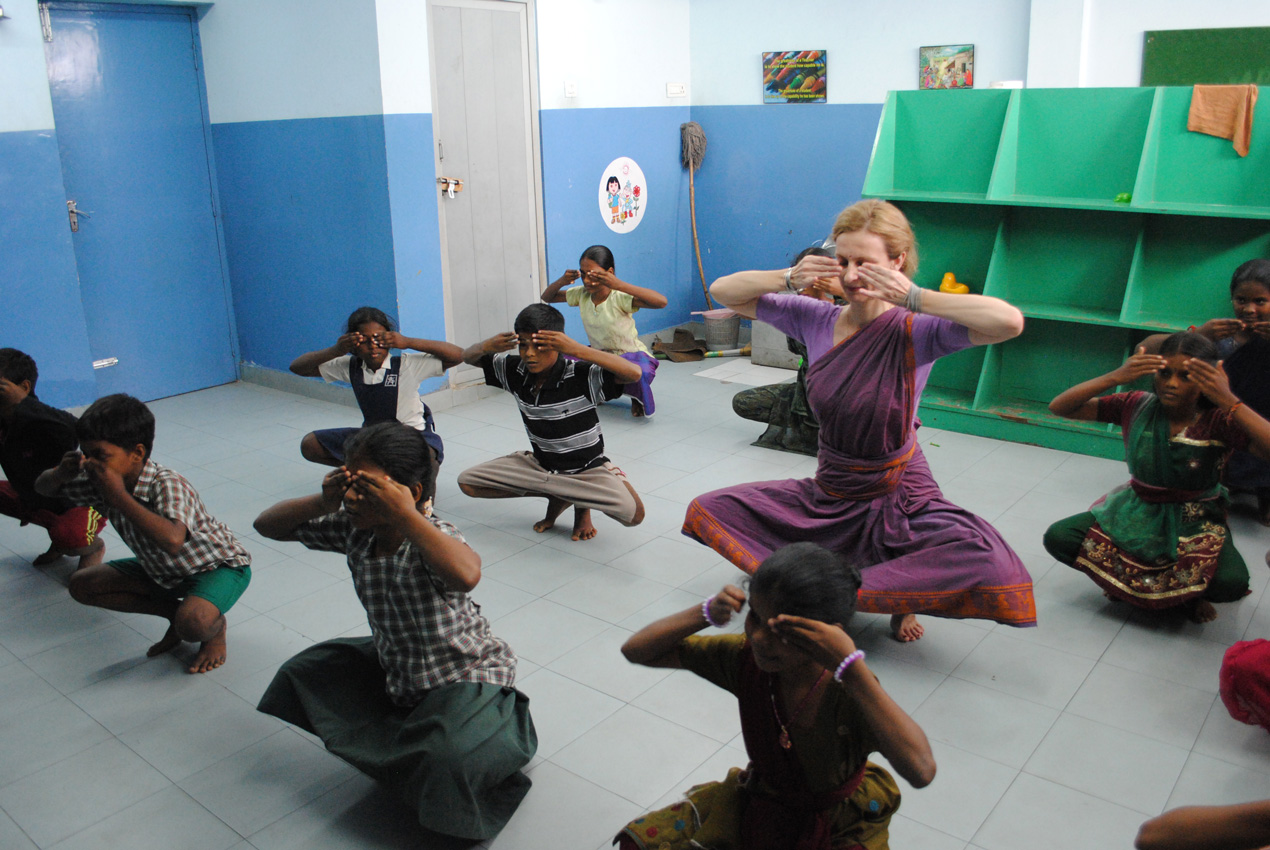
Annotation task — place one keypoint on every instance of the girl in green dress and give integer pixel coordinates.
(1161, 540)
(811, 713)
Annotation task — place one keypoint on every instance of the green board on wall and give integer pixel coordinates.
(1229, 56)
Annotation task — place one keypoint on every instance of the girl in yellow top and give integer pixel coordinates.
(608, 307)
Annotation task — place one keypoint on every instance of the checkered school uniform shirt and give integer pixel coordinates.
(425, 634)
(208, 542)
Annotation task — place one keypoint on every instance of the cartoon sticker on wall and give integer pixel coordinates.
(623, 195)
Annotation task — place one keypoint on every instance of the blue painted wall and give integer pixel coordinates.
(412, 189)
(577, 144)
(42, 314)
(307, 229)
(774, 178)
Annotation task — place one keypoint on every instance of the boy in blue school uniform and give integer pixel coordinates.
(189, 568)
(557, 396)
(34, 437)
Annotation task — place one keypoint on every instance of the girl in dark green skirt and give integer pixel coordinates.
(425, 704)
(1161, 540)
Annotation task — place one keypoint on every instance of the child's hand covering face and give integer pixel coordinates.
(333, 487)
(381, 495)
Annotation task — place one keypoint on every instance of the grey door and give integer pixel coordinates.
(485, 128)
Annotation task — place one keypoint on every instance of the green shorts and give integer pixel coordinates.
(221, 586)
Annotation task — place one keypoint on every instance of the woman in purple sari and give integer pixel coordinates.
(873, 498)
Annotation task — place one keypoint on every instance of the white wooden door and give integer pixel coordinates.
(485, 123)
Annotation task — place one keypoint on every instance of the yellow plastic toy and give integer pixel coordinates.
(950, 284)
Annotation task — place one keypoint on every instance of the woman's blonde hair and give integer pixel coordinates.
(885, 221)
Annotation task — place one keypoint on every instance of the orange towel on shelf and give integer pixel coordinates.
(1224, 111)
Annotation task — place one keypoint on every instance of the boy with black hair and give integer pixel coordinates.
(33, 437)
(557, 397)
(188, 568)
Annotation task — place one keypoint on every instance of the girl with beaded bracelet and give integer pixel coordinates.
(1161, 540)
(811, 713)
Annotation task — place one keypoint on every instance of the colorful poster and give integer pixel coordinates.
(623, 195)
(794, 76)
(951, 66)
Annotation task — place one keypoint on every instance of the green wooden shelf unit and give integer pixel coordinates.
(1015, 192)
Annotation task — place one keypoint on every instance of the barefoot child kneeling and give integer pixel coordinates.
(427, 703)
(189, 568)
(811, 713)
(557, 398)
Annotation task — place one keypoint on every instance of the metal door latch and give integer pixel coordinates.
(74, 213)
(450, 185)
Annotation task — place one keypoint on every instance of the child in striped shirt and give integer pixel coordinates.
(557, 397)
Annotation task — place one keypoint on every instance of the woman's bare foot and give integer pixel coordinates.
(637, 408)
(48, 557)
(555, 507)
(211, 654)
(170, 641)
(582, 527)
(905, 628)
(1203, 612)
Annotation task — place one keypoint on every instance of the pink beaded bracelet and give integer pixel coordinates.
(847, 662)
(705, 613)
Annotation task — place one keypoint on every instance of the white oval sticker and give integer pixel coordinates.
(623, 195)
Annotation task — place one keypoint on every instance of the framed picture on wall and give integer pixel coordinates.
(795, 76)
(949, 66)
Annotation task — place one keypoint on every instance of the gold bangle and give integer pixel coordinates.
(1230, 411)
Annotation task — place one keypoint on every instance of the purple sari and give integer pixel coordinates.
(872, 499)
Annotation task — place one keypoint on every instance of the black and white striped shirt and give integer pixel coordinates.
(560, 417)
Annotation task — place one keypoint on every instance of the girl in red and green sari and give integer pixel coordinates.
(811, 713)
(1162, 540)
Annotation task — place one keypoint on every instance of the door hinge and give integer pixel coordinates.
(46, 25)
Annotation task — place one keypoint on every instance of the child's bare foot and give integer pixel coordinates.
(582, 527)
(555, 507)
(211, 655)
(637, 407)
(1203, 612)
(905, 628)
(170, 641)
(53, 554)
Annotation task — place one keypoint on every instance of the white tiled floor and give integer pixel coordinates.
(1067, 735)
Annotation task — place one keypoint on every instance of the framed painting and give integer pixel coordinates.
(949, 66)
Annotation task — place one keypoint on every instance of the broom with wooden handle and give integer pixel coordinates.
(692, 150)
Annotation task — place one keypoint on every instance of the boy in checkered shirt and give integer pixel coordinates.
(188, 569)
(427, 703)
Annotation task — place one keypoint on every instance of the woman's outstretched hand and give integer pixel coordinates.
(885, 283)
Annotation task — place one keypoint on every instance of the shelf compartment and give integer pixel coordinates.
(1068, 265)
(1080, 146)
(937, 144)
(955, 379)
(1021, 376)
(1189, 172)
(1182, 267)
(956, 239)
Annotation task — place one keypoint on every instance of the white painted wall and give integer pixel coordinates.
(404, 75)
(25, 103)
(619, 52)
(872, 44)
(284, 59)
(1116, 30)
(1057, 52)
